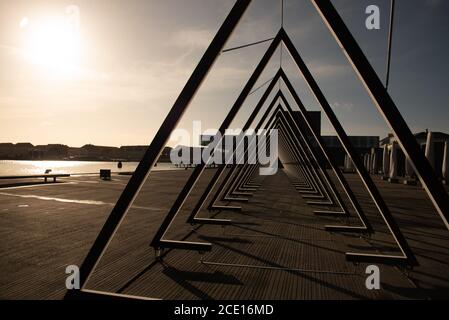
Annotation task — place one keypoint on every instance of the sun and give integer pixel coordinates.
(54, 44)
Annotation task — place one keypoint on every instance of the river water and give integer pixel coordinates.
(26, 167)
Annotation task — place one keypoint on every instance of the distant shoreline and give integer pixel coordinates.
(60, 152)
(32, 167)
(80, 160)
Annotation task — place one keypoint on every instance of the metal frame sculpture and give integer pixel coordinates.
(366, 225)
(321, 144)
(374, 86)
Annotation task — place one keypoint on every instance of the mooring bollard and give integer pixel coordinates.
(393, 163)
(105, 174)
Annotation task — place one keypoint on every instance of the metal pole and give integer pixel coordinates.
(390, 40)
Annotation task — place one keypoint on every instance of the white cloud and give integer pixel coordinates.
(320, 69)
(343, 106)
(192, 38)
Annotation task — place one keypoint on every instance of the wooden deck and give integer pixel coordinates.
(275, 249)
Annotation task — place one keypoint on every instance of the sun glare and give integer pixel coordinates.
(54, 44)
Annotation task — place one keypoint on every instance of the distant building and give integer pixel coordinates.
(6, 150)
(314, 116)
(361, 144)
(186, 155)
(165, 155)
(76, 153)
(89, 152)
(51, 152)
(92, 152)
(315, 121)
(18, 151)
(135, 153)
(358, 142)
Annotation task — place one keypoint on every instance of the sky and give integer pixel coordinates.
(111, 76)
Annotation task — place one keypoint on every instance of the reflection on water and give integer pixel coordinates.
(25, 167)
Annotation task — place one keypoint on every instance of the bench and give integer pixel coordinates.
(34, 176)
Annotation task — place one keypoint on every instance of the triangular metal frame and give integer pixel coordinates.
(226, 181)
(158, 242)
(281, 75)
(407, 257)
(229, 180)
(366, 227)
(389, 259)
(315, 160)
(154, 150)
(307, 166)
(233, 184)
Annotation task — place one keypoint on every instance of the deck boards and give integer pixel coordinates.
(276, 229)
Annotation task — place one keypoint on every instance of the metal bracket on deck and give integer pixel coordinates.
(214, 221)
(184, 245)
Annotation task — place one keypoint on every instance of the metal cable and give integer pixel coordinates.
(263, 84)
(246, 45)
(390, 40)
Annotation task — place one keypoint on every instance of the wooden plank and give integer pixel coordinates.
(276, 229)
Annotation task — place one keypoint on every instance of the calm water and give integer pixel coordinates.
(24, 167)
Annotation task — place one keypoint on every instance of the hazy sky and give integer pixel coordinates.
(114, 81)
